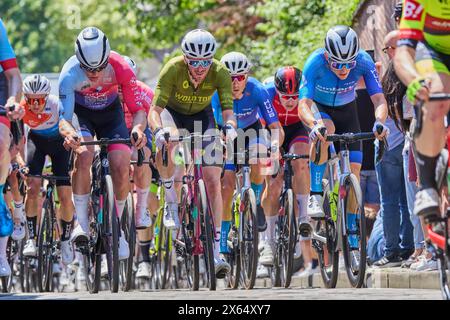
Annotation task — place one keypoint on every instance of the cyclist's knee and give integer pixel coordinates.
(84, 160)
(4, 141)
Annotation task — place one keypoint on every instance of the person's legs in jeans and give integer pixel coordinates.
(406, 227)
(411, 190)
(389, 173)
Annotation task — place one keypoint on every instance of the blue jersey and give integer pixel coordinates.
(255, 103)
(319, 83)
(7, 56)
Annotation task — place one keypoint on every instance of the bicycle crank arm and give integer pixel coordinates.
(315, 236)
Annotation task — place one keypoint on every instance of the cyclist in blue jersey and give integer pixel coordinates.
(10, 93)
(250, 102)
(329, 78)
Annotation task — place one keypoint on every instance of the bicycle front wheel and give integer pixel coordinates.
(233, 258)
(208, 238)
(290, 237)
(45, 248)
(248, 239)
(354, 228)
(111, 224)
(326, 251)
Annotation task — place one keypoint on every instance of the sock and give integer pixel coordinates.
(351, 224)
(145, 250)
(3, 245)
(271, 221)
(31, 223)
(226, 225)
(302, 201)
(66, 229)
(427, 167)
(257, 188)
(18, 210)
(316, 173)
(120, 207)
(217, 243)
(141, 201)
(170, 193)
(81, 203)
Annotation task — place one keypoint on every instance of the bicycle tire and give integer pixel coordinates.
(208, 238)
(163, 257)
(275, 269)
(355, 276)
(291, 233)
(129, 227)
(444, 275)
(233, 258)
(327, 254)
(111, 224)
(191, 261)
(7, 281)
(45, 243)
(248, 240)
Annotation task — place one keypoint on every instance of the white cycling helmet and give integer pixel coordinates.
(92, 47)
(236, 63)
(199, 44)
(36, 84)
(342, 43)
(131, 63)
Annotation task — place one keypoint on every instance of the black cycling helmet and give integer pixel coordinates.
(287, 80)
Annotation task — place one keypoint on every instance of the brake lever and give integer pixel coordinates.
(140, 152)
(317, 153)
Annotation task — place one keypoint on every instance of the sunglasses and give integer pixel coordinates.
(200, 63)
(340, 66)
(239, 78)
(38, 101)
(388, 47)
(288, 96)
(98, 69)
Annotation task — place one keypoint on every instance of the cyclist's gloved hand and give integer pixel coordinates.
(384, 133)
(230, 132)
(72, 141)
(418, 89)
(160, 140)
(316, 134)
(17, 113)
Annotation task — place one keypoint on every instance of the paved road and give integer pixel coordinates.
(257, 294)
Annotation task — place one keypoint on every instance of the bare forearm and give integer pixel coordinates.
(228, 117)
(154, 117)
(380, 104)
(65, 128)
(14, 83)
(404, 62)
(276, 127)
(305, 113)
(140, 120)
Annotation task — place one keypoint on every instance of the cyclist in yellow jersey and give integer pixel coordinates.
(182, 102)
(422, 62)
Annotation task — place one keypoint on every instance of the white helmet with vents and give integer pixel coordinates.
(92, 48)
(342, 43)
(236, 63)
(199, 44)
(36, 84)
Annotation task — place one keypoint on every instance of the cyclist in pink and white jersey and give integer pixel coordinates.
(89, 87)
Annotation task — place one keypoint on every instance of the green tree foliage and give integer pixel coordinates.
(43, 32)
(271, 32)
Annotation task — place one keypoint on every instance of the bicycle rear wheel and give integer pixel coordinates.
(326, 252)
(45, 248)
(248, 239)
(163, 257)
(354, 240)
(129, 228)
(111, 224)
(290, 237)
(207, 237)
